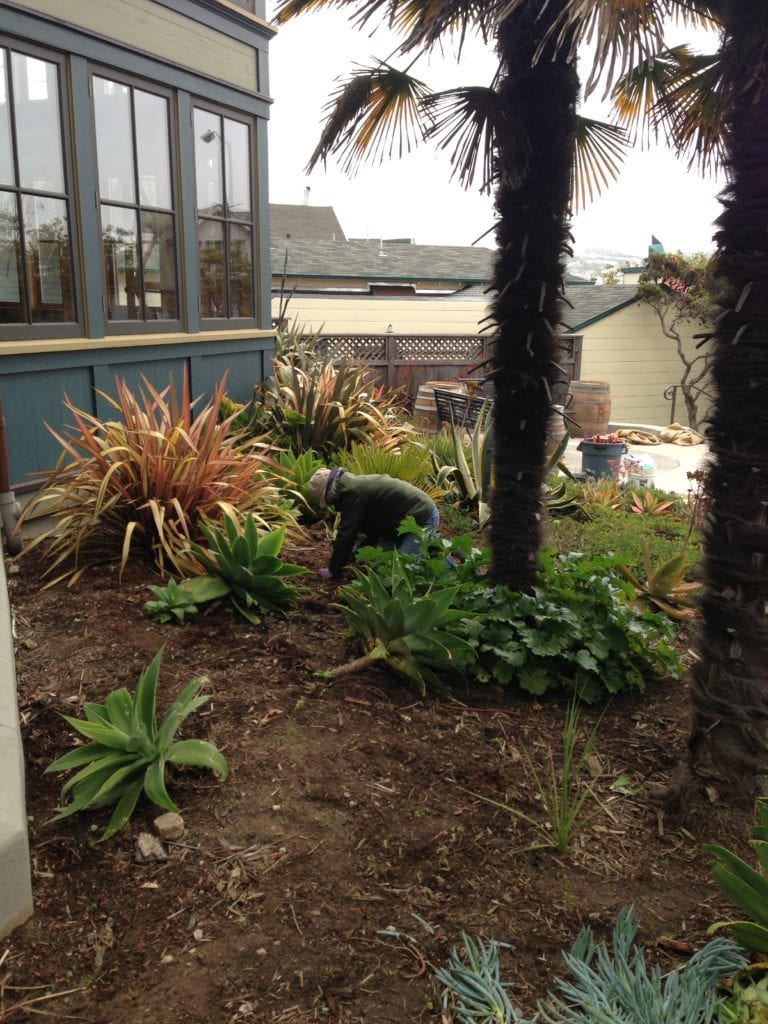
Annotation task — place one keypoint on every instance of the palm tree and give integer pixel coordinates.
(519, 134)
(715, 108)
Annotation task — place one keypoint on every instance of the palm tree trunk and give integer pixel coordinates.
(729, 684)
(532, 233)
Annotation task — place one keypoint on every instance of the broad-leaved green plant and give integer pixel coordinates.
(129, 750)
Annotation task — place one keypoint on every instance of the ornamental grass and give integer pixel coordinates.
(143, 481)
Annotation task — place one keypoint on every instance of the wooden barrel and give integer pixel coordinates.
(555, 431)
(425, 410)
(589, 404)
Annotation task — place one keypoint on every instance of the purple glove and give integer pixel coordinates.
(325, 574)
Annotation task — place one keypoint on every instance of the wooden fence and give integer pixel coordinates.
(410, 360)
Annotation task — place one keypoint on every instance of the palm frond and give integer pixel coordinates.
(599, 151)
(474, 122)
(680, 94)
(375, 114)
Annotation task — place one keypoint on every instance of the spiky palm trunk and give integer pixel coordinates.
(729, 686)
(532, 235)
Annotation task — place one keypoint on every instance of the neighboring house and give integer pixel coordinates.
(374, 288)
(133, 214)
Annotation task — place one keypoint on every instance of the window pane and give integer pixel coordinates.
(152, 150)
(237, 169)
(210, 196)
(240, 270)
(10, 266)
(118, 236)
(38, 130)
(158, 250)
(6, 152)
(210, 248)
(114, 142)
(47, 250)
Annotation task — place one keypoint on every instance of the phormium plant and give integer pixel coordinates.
(145, 480)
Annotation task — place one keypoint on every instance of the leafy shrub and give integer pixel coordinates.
(608, 985)
(146, 479)
(128, 751)
(576, 631)
(293, 473)
(243, 568)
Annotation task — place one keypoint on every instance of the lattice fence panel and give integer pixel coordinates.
(437, 348)
(358, 348)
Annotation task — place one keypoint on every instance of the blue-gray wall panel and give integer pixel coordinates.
(29, 401)
(33, 387)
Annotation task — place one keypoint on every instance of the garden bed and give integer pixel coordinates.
(346, 815)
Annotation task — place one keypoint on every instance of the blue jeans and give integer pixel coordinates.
(408, 544)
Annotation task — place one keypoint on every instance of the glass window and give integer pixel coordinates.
(138, 225)
(35, 244)
(225, 214)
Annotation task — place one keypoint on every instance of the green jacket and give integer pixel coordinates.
(375, 506)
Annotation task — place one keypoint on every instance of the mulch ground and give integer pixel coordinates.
(341, 860)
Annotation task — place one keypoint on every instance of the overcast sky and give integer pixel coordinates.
(412, 197)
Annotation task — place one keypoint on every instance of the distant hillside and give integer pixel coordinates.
(590, 262)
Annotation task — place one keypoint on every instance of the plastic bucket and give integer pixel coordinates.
(425, 410)
(589, 404)
(598, 459)
(640, 473)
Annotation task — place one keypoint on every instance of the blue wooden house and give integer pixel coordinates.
(133, 207)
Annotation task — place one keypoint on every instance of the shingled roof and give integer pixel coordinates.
(592, 302)
(374, 261)
(287, 220)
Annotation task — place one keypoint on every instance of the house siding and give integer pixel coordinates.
(152, 29)
(625, 348)
(198, 56)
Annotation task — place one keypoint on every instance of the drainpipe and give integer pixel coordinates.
(9, 507)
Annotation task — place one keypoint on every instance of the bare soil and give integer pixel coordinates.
(343, 857)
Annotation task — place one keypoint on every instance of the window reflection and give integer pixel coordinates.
(11, 310)
(47, 248)
(224, 216)
(138, 240)
(38, 126)
(36, 284)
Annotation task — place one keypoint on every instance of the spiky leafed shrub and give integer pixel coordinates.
(146, 479)
(307, 402)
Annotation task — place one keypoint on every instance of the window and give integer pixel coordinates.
(138, 223)
(225, 216)
(35, 243)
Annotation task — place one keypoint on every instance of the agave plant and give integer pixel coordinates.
(746, 887)
(472, 476)
(294, 473)
(244, 568)
(128, 750)
(145, 480)
(412, 634)
(649, 504)
(172, 603)
(663, 585)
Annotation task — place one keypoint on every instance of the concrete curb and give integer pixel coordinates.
(15, 877)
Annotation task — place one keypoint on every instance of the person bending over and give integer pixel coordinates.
(373, 505)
